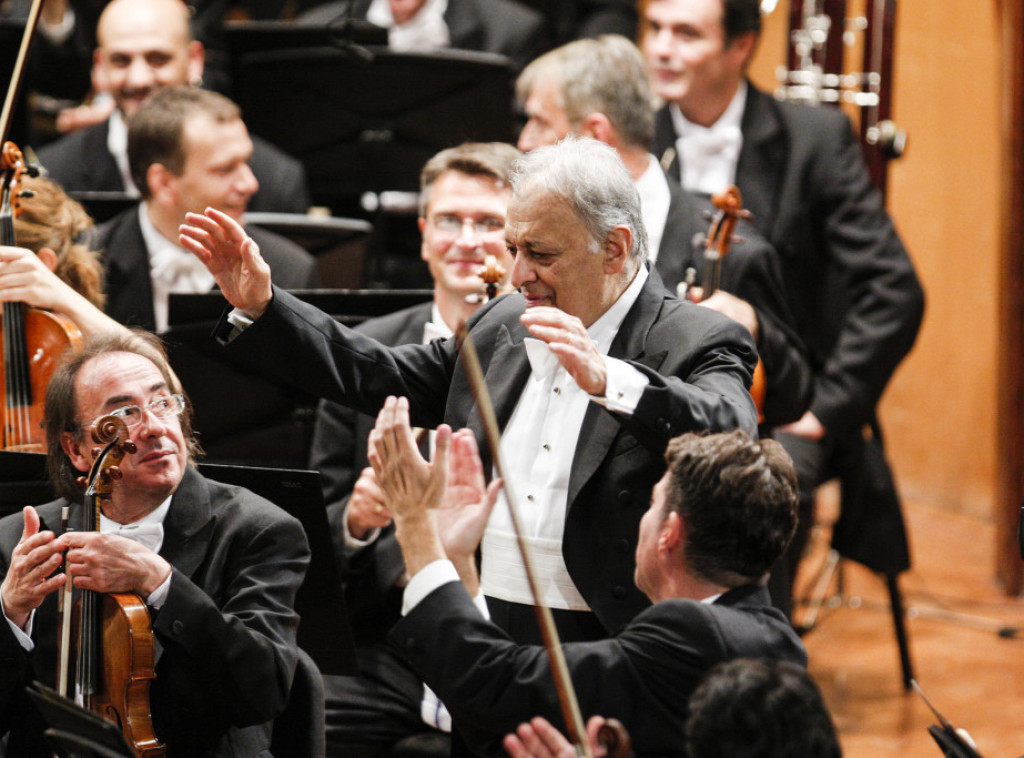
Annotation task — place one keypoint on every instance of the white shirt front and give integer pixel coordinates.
(538, 447)
(709, 155)
(171, 268)
(655, 199)
(117, 144)
(426, 30)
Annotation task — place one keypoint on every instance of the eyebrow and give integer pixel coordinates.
(118, 400)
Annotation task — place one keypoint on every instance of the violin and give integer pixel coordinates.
(112, 647)
(729, 210)
(33, 339)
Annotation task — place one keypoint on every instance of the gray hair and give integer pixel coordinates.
(592, 179)
(604, 75)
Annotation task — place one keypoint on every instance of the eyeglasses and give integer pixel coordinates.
(167, 406)
(449, 223)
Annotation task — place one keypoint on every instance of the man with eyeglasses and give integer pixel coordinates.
(217, 566)
(464, 193)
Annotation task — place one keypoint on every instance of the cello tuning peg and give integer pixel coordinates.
(115, 473)
(96, 451)
(81, 481)
(26, 194)
(129, 447)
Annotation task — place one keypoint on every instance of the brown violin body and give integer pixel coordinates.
(128, 669)
(33, 341)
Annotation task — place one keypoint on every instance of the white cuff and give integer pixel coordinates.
(624, 386)
(24, 638)
(428, 579)
(158, 596)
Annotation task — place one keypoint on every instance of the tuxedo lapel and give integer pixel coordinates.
(600, 427)
(129, 287)
(186, 536)
(507, 372)
(762, 160)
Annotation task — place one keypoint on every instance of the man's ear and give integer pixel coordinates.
(742, 47)
(196, 61)
(616, 249)
(162, 182)
(74, 449)
(598, 126)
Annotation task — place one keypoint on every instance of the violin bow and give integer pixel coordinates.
(19, 65)
(612, 735)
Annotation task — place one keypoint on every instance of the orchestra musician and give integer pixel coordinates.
(718, 518)
(599, 88)
(142, 46)
(188, 149)
(593, 367)
(217, 566)
(850, 284)
(464, 193)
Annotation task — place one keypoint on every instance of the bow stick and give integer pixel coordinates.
(612, 735)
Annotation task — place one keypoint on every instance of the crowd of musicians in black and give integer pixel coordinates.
(665, 511)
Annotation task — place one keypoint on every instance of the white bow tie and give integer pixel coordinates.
(543, 362)
(147, 535)
(707, 151)
(178, 272)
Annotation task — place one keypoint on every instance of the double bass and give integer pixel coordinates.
(108, 638)
(33, 339)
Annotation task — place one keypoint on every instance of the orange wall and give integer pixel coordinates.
(939, 411)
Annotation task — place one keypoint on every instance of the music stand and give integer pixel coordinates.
(367, 125)
(324, 631)
(24, 481)
(74, 731)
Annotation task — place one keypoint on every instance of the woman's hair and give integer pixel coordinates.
(49, 218)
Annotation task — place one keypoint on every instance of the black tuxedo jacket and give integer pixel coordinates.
(508, 28)
(750, 271)
(338, 452)
(699, 364)
(81, 162)
(225, 636)
(128, 285)
(644, 676)
(850, 284)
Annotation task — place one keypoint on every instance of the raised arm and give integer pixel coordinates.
(231, 256)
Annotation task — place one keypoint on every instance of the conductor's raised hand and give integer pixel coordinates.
(231, 256)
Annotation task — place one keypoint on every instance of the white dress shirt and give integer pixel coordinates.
(172, 269)
(655, 199)
(117, 144)
(426, 30)
(538, 447)
(709, 155)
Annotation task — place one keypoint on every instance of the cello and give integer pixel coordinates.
(33, 339)
(112, 648)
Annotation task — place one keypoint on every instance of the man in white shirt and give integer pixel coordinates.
(718, 518)
(591, 365)
(143, 46)
(599, 88)
(189, 150)
(217, 566)
(464, 194)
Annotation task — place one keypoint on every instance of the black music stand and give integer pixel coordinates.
(324, 631)
(24, 481)
(367, 123)
(75, 732)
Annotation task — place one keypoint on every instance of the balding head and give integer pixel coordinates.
(144, 45)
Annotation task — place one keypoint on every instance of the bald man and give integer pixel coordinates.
(143, 46)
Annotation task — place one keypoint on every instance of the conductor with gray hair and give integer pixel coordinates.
(592, 367)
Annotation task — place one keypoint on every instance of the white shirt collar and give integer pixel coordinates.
(655, 199)
(603, 331)
(171, 268)
(709, 155)
(117, 144)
